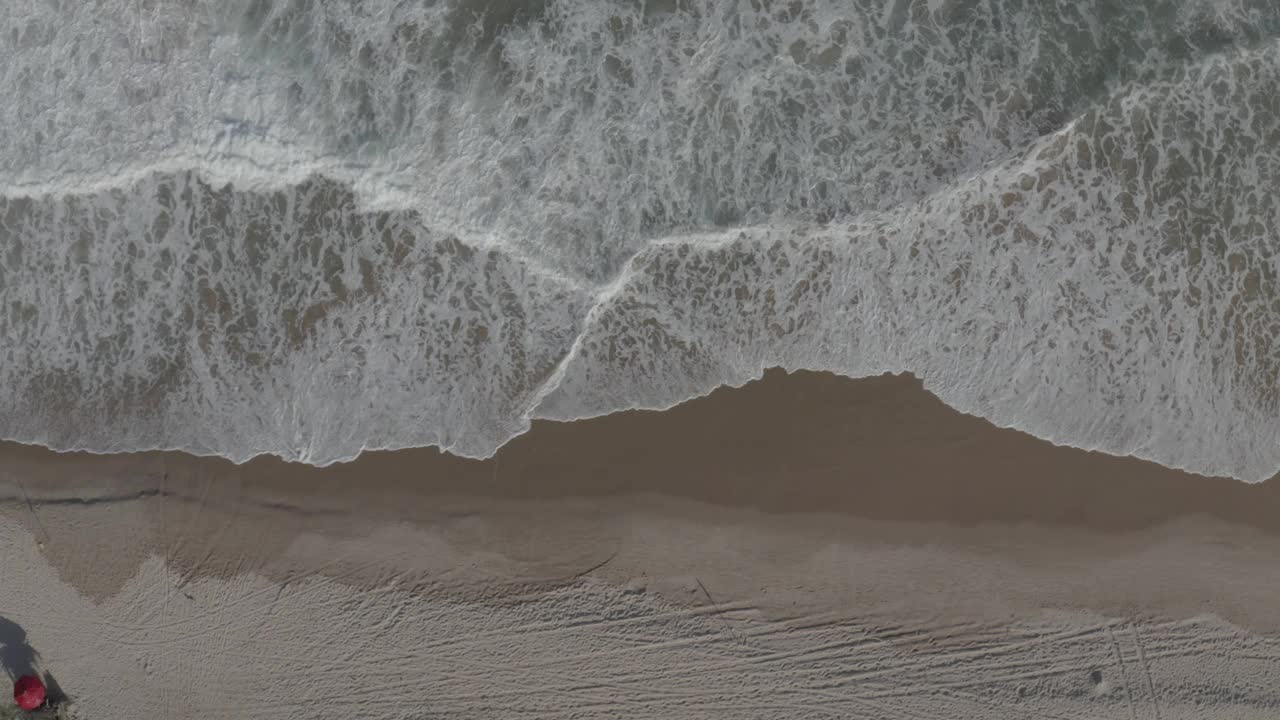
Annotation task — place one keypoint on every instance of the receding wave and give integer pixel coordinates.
(314, 227)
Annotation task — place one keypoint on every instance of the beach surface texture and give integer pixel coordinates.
(804, 547)
(883, 359)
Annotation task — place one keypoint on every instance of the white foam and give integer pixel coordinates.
(310, 229)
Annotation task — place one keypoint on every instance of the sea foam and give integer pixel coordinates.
(314, 227)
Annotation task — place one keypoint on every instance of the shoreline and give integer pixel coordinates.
(806, 501)
(876, 448)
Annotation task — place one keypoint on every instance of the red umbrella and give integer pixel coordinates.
(28, 692)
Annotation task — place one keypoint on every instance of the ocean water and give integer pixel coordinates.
(314, 227)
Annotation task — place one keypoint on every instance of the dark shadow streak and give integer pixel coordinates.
(157, 493)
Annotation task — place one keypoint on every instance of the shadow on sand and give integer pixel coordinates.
(18, 658)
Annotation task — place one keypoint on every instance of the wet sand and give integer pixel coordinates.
(806, 500)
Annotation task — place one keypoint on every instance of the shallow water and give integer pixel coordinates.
(311, 227)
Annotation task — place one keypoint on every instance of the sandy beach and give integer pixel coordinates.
(803, 546)
(275, 274)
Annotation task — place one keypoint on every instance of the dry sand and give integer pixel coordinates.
(805, 546)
